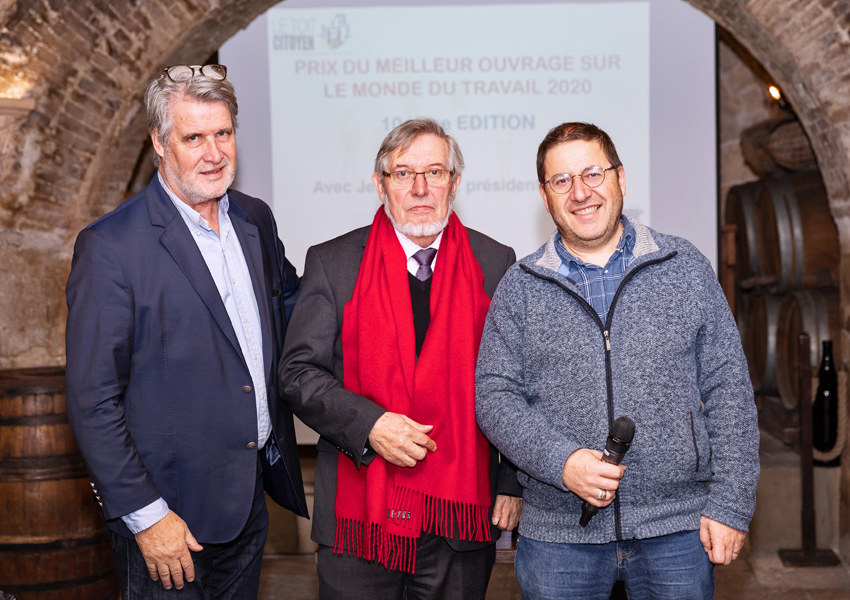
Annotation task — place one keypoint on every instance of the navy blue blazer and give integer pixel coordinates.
(159, 396)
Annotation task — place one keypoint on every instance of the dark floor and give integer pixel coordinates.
(754, 577)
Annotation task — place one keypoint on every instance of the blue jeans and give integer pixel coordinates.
(670, 567)
(228, 571)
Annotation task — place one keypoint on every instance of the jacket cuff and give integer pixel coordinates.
(728, 517)
(506, 481)
(362, 452)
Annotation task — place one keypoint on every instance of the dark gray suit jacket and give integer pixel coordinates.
(311, 373)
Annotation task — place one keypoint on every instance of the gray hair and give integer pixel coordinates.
(400, 139)
(162, 92)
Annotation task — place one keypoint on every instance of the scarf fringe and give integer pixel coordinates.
(372, 543)
(398, 551)
(439, 515)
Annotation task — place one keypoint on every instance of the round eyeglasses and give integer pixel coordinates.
(181, 73)
(404, 178)
(591, 176)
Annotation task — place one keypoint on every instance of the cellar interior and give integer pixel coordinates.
(73, 141)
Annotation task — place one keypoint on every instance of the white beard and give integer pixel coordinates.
(190, 188)
(419, 230)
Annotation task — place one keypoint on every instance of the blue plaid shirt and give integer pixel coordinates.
(599, 284)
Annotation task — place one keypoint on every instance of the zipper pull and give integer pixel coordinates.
(607, 341)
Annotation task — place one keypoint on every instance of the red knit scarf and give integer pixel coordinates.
(382, 509)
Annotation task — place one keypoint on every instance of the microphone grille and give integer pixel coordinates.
(623, 430)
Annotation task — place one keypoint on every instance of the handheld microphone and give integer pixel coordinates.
(619, 441)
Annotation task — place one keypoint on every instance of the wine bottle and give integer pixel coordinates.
(825, 407)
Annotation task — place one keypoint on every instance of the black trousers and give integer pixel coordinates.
(228, 571)
(441, 573)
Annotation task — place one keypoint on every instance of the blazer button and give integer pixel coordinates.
(247, 389)
(251, 445)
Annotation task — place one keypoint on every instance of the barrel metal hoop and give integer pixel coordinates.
(771, 307)
(62, 544)
(796, 225)
(746, 195)
(34, 420)
(32, 588)
(780, 211)
(772, 326)
(822, 326)
(44, 468)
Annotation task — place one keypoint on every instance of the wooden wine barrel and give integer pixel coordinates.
(777, 145)
(759, 339)
(789, 147)
(742, 311)
(796, 238)
(817, 312)
(53, 542)
(753, 142)
(740, 204)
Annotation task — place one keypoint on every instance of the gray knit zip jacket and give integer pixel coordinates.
(551, 378)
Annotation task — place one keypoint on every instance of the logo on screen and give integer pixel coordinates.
(335, 33)
(293, 34)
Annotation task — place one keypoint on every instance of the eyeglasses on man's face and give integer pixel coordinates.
(591, 176)
(181, 73)
(405, 177)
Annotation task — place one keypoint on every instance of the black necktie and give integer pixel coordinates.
(424, 258)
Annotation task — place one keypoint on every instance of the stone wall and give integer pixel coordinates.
(70, 160)
(743, 103)
(85, 63)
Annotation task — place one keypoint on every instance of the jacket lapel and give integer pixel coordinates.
(249, 238)
(178, 241)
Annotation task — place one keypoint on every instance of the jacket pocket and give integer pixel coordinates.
(702, 447)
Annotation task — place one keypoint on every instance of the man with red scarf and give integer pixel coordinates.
(380, 360)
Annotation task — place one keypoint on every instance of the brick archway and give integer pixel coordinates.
(69, 160)
(86, 65)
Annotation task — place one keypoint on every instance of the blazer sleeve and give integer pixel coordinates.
(99, 338)
(290, 282)
(310, 370)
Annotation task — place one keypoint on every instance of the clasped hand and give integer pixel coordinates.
(401, 441)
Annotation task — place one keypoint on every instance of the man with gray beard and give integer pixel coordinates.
(380, 360)
(177, 304)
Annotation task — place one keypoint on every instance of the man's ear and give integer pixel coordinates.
(158, 146)
(455, 185)
(621, 179)
(542, 189)
(378, 180)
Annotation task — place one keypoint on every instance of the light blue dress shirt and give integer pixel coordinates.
(223, 255)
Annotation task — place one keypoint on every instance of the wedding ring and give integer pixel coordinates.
(602, 495)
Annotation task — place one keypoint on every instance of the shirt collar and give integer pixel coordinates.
(410, 247)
